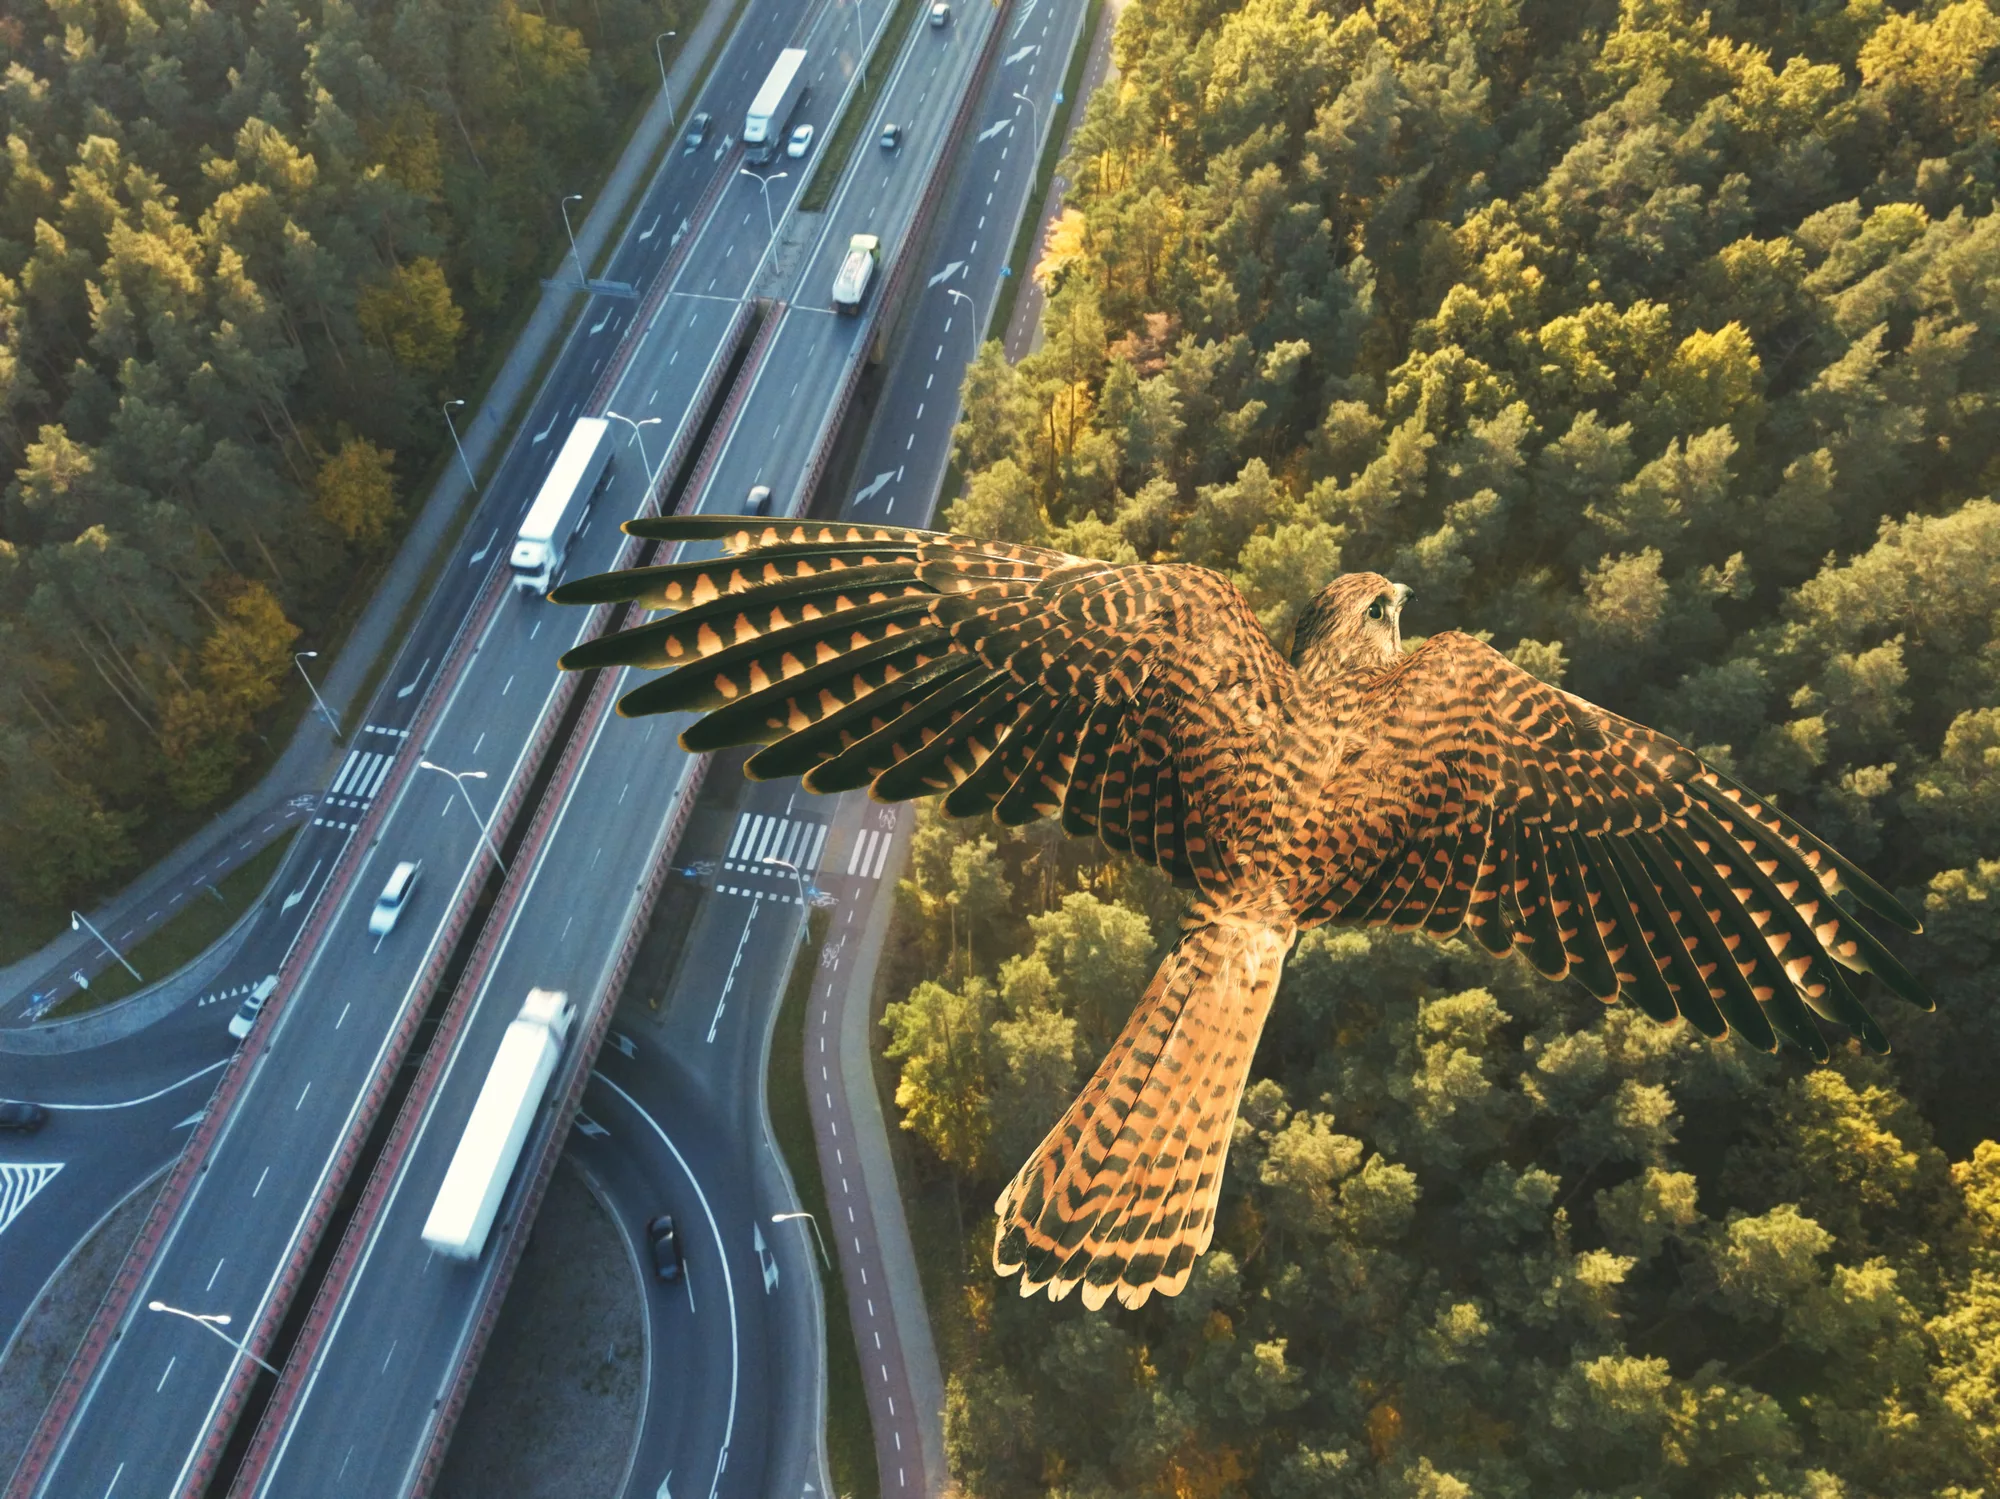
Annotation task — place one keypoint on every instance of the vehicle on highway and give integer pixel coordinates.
(388, 908)
(245, 1018)
(579, 472)
(476, 1180)
(697, 132)
(759, 502)
(857, 269)
(892, 137)
(23, 1118)
(800, 143)
(940, 14)
(771, 111)
(666, 1242)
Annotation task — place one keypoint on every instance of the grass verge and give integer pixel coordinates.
(850, 1440)
(186, 937)
(832, 163)
(1020, 259)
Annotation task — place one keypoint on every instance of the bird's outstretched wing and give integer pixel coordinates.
(1600, 850)
(1009, 679)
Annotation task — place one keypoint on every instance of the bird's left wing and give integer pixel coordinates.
(1599, 849)
(1010, 679)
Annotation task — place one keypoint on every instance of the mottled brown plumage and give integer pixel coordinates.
(1438, 790)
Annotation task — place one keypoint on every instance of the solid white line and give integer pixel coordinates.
(163, 1376)
(722, 1258)
(213, 1273)
(134, 1102)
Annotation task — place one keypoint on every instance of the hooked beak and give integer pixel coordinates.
(1403, 593)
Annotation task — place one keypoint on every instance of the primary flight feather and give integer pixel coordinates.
(1439, 790)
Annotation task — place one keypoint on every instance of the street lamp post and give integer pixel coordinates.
(770, 223)
(214, 1323)
(461, 777)
(638, 437)
(299, 659)
(825, 1259)
(459, 445)
(582, 280)
(972, 312)
(662, 59)
(1037, 116)
(78, 922)
(805, 891)
(860, 45)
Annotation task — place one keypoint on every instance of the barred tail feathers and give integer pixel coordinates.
(1120, 1196)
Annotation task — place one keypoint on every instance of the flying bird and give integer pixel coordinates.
(1441, 789)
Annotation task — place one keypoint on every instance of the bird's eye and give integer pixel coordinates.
(1375, 610)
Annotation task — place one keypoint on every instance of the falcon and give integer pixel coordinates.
(1441, 790)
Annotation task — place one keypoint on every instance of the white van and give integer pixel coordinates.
(395, 895)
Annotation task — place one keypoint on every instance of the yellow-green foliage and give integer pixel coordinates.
(1660, 341)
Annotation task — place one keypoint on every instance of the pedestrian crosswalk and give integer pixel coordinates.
(871, 852)
(360, 777)
(769, 848)
(20, 1184)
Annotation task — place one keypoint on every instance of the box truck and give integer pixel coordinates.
(564, 499)
(771, 111)
(484, 1162)
(857, 269)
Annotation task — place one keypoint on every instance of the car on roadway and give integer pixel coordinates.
(245, 1018)
(759, 502)
(940, 14)
(697, 132)
(395, 895)
(800, 143)
(665, 1240)
(892, 137)
(22, 1118)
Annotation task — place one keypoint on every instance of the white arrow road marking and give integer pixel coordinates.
(598, 326)
(874, 488)
(662, 1492)
(947, 273)
(765, 1258)
(994, 129)
(480, 555)
(542, 436)
(411, 686)
(648, 234)
(1012, 57)
(20, 1184)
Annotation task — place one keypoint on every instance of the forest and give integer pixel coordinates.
(1658, 344)
(246, 248)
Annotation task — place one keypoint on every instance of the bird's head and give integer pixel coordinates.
(1352, 624)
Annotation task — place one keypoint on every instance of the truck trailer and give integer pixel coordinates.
(484, 1162)
(564, 499)
(857, 269)
(771, 111)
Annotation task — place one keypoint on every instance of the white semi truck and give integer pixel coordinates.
(771, 111)
(857, 269)
(579, 473)
(484, 1162)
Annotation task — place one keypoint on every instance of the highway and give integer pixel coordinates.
(696, 1114)
(164, 1385)
(603, 841)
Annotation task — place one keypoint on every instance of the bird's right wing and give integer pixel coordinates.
(1009, 679)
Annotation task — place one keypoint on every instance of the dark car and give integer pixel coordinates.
(666, 1242)
(697, 132)
(23, 1118)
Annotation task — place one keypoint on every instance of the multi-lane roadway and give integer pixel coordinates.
(692, 1101)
